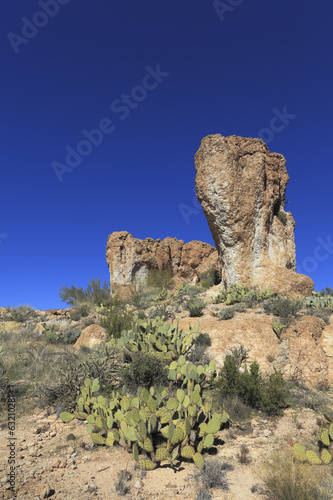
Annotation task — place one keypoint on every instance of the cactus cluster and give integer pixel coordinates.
(185, 374)
(153, 426)
(158, 336)
(240, 293)
(318, 300)
(325, 441)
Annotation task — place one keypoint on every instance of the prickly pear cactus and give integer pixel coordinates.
(326, 446)
(159, 336)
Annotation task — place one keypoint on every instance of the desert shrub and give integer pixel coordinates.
(81, 311)
(146, 369)
(287, 479)
(202, 340)
(226, 314)
(159, 278)
(121, 485)
(160, 311)
(319, 313)
(269, 394)
(209, 278)
(240, 293)
(212, 475)
(187, 290)
(282, 217)
(203, 494)
(327, 291)
(302, 396)
(20, 314)
(116, 319)
(282, 307)
(243, 455)
(195, 308)
(197, 354)
(240, 307)
(68, 336)
(69, 369)
(89, 320)
(94, 293)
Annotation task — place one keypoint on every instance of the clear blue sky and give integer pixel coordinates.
(207, 68)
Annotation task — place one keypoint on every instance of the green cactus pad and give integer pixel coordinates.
(328, 418)
(142, 429)
(167, 417)
(136, 403)
(66, 417)
(135, 452)
(178, 436)
(225, 417)
(171, 430)
(198, 460)
(89, 429)
(173, 365)
(172, 375)
(148, 445)
(95, 385)
(326, 457)
(125, 403)
(209, 441)
(186, 401)
(213, 426)
(200, 446)
(146, 464)
(181, 360)
(109, 441)
(325, 439)
(195, 397)
(97, 438)
(153, 422)
(162, 454)
(180, 395)
(152, 404)
(188, 452)
(174, 455)
(172, 404)
(299, 452)
(145, 395)
(130, 434)
(313, 458)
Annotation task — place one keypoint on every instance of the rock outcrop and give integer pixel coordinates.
(241, 186)
(130, 259)
(304, 353)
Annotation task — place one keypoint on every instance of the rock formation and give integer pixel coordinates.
(241, 186)
(130, 259)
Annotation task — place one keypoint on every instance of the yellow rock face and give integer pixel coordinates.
(10, 326)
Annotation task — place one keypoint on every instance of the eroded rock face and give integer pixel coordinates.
(241, 186)
(130, 259)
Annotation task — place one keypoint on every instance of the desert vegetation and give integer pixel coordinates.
(154, 389)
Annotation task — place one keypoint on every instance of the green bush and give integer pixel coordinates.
(202, 340)
(268, 394)
(69, 371)
(116, 319)
(67, 337)
(209, 278)
(94, 293)
(160, 311)
(283, 307)
(81, 311)
(20, 314)
(240, 307)
(226, 314)
(240, 293)
(145, 370)
(195, 308)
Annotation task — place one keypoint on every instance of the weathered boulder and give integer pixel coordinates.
(241, 186)
(304, 353)
(130, 259)
(91, 336)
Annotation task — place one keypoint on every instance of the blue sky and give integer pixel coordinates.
(206, 67)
